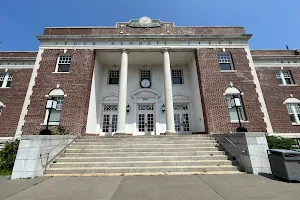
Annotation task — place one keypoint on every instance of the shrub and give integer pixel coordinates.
(8, 155)
(275, 142)
(59, 130)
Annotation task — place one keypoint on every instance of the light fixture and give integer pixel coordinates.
(163, 108)
(128, 108)
(51, 104)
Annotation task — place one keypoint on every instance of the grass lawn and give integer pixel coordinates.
(5, 172)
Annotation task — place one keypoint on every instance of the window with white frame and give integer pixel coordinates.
(284, 78)
(145, 74)
(1, 107)
(177, 76)
(5, 80)
(113, 77)
(225, 61)
(63, 63)
(233, 110)
(58, 95)
(294, 112)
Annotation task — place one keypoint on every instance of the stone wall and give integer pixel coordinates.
(249, 149)
(213, 84)
(36, 152)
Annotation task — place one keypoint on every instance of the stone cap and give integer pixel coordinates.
(13, 55)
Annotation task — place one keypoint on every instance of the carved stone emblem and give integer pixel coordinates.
(144, 22)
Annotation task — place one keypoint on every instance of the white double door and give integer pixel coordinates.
(145, 119)
(182, 118)
(109, 119)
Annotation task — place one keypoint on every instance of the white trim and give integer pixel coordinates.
(6, 138)
(259, 92)
(28, 94)
(233, 70)
(50, 123)
(291, 100)
(237, 121)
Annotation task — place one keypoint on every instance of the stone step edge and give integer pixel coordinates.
(200, 156)
(146, 174)
(155, 167)
(143, 148)
(121, 145)
(169, 161)
(209, 152)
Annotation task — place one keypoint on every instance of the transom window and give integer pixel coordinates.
(180, 106)
(177, 76)
(113, 77)
(233, 110)
(145, 107)
(63, 63)
(145, 74)
(294, 112)
(110, 107)
(225, 61)
(284, 78)
(5, 80)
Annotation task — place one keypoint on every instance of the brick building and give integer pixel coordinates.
(149, 77)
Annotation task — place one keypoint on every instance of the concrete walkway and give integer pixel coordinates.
(204, 187)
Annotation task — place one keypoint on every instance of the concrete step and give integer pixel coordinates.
(139, 158)
(144, 146)
(137, 150)
(115, 142)
(147, 137)
(126, 154)
(141, 163)
(91, 170)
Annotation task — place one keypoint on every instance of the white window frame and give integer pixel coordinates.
(142, 78)
(47, 113)
(113, 77)
(294, 112)
(2, 106)
(281, 76)
(182, 76)
(5, 81)
(226, 62)
(57, 63)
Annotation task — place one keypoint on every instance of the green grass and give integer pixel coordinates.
(5, 172)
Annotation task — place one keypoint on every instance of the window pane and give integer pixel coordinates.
(8, 84)
(292, 117)
(177, 80)
(113, 81)
(288, 81)
(279, 80)
(55, 115)
(233, 114)
(1, 82)
(63, 67)
(225, 66)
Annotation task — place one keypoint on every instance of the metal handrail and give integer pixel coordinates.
(234, 145)
(71, 134)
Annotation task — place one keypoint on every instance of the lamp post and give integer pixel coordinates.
(51, 104)
(236, 102)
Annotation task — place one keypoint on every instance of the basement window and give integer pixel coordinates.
(225, 62)
(63, 63)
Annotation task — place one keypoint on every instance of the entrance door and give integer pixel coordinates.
(145, 117)
(109, 119)
(181, 118)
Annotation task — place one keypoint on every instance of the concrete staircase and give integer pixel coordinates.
(142, 155)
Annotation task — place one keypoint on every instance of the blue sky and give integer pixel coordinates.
(273, 23)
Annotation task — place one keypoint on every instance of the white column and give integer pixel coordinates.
(122, 94)
(168, 95)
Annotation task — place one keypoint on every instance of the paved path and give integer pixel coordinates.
(203, 187)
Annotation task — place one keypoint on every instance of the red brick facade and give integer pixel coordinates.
(76, 85)
(213, 84)
(13, 99)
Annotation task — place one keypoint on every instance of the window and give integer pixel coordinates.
(113, 77)
(232, 109)
(294, 112)
(1, 107)
(63, 63)
(284, 78)
(58, 95)
(145, 74)
(177, 76)
(5, 80)
(225, 62)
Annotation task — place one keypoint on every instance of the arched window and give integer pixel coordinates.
(230, 94)
(293, 107)
(58, 95)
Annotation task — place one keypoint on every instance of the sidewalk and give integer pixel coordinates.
(204, 187)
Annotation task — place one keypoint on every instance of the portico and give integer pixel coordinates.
(145, 92)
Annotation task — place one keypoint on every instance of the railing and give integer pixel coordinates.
(242, 151)
(78, 135)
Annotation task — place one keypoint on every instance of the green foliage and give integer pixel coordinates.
(5, 172)
(59, 130)
(280, 142)
(8, 155)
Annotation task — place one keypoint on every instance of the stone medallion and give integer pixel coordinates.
(145, 21)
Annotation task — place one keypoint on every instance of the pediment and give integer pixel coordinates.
(145, 93)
